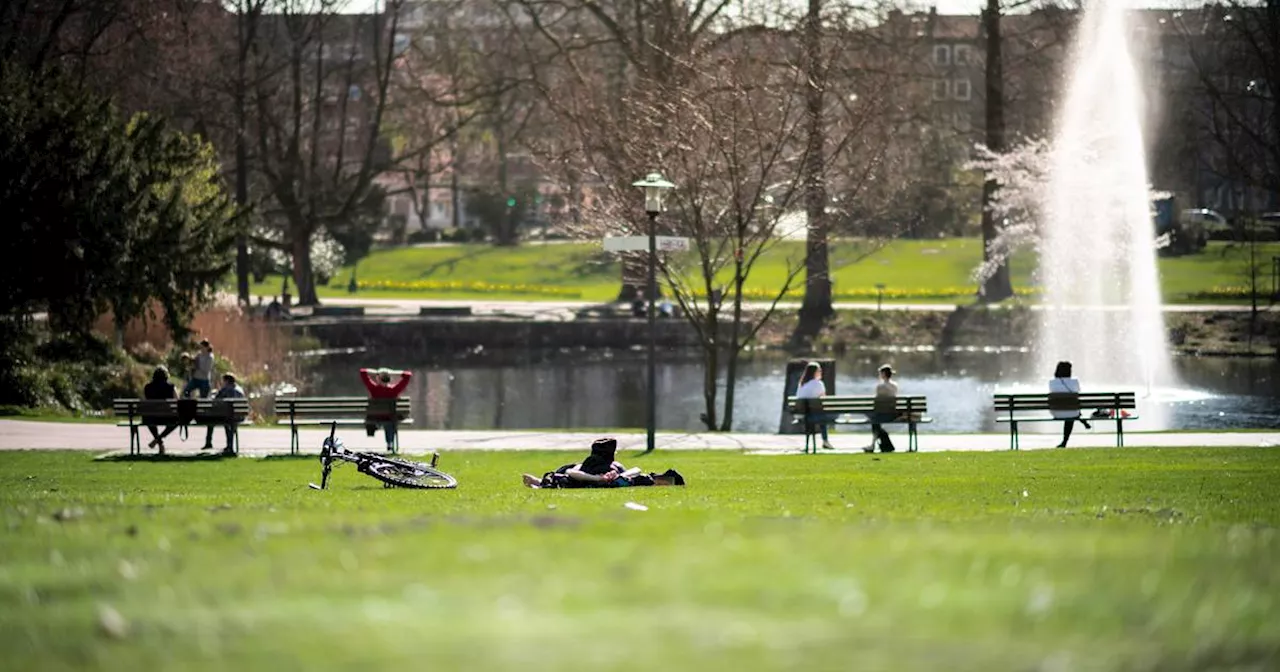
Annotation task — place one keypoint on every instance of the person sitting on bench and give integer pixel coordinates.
(812, 387)
(1063, 383)
(159, 389)
(228, 390)
(886, 388)
(380, 387)
(600, 470)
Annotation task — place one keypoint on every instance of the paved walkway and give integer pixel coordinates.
(28, 435)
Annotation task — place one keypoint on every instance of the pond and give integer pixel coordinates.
(588, 389)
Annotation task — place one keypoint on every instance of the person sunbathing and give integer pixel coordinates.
(600, 470)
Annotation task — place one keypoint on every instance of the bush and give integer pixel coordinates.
(60, 384)
(17, 352)
(424, 236)
(93, 348)
(117, 382)
(464, 235)
(146, 353)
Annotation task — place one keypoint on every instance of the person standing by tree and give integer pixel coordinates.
(379, 384)
(202, 373)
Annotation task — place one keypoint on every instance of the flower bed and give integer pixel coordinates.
(467, 287)
(871, 293)
(1217, 293)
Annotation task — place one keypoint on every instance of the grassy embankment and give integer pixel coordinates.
(911, 270)
(1081, 559)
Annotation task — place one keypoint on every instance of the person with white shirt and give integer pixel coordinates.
(202, 374)
(812, 387)
(885, 388)
(1063, 383)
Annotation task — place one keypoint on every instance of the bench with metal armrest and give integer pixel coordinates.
(903, 409)
(1016, 409)
(136, 413)
(344, 411)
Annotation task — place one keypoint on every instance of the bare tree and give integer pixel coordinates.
(727, 118)
(817, 288)
(1225, 78)
(320, 87)
(996, 286)
(1230, 67)
(452, 76)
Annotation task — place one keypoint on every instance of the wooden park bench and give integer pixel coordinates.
(908, 410)
(345, 411)
(136, 413)
(1016, 409)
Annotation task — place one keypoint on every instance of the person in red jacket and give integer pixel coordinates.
(378, 382)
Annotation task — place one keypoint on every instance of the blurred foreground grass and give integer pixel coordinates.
(1077, 559)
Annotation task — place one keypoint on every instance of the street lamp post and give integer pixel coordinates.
(654, 187)
(879, 295)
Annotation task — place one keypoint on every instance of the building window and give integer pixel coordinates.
(962, 122)
(940, 89)
(961, 89)
(942, 54)
(961, 56)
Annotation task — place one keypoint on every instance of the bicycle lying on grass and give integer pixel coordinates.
(392, 471)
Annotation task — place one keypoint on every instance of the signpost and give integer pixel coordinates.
(641, 243)
(653, 185)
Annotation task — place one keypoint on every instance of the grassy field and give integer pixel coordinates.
(911, 270)
(1160, 559)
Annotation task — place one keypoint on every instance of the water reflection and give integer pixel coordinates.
(553, 389)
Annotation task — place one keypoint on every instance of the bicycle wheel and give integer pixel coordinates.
(405, 474)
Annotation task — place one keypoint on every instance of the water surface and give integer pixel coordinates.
(551, 389)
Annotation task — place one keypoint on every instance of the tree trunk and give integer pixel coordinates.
(455, 167)
(506, 233)
(242, 161)
(735, 350)
(817, 286)
(710, 369)
(997, 287)
(302, 276)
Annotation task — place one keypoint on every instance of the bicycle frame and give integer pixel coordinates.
(332, 450)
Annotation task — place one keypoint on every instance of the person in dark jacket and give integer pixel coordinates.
(600, 470)
(159, 389)
(228, 390)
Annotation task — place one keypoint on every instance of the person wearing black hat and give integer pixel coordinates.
(601, 470)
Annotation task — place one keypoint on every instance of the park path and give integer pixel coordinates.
(259, 441)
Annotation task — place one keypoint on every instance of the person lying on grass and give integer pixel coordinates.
(601, 470)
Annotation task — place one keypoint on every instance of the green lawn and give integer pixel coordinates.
(911, 270)
(1160, 559)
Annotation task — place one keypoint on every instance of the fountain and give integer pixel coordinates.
(1097, 252)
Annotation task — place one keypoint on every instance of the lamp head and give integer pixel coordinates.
(654, 187)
